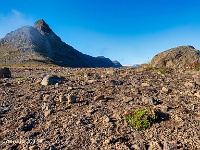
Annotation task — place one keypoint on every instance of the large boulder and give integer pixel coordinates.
(51, 80)
(5, 73)
(179, 57)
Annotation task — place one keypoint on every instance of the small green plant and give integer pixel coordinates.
(91, 74)
(70, 75)
(180, 80)
(161, 71)
(141, 118)
(80, 73)
(22, 79)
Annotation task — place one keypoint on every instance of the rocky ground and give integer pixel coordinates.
(85, 108)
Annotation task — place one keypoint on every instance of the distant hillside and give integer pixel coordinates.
(40, 45)
(117, 63)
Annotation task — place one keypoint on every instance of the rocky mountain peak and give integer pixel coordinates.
(40, 45)
(42, 27)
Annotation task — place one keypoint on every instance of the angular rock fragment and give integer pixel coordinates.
(197, 94)
(164, 89)
(154, 146)
(3, 110)
(71, 99)
(149, 100)
(62, 98)
(47, 113)
(170, 146)
(100, 97)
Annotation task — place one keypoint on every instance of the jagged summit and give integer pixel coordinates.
(41, 44)
(42, 27)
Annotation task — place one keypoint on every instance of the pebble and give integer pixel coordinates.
(62, 98)
(47, 113)
(145, 84)
(197, 94)
(164, 89)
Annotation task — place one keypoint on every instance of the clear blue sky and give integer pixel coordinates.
(130, 31)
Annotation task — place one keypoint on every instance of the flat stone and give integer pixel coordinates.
(35, 147)
(91, 81)
(107, 119)
(50, 80)
(149, 100)
(164, 108)
(145, 84)
(47, 113)
(3, 110)
(164, 89)
(100, 97)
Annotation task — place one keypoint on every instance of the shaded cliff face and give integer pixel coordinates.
(179, 57)
(41, 44)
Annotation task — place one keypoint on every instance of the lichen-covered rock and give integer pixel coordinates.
(179, 57)
(50, 80)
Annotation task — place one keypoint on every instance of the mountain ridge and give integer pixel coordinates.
(41, 44)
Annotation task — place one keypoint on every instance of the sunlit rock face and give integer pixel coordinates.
(179, 57)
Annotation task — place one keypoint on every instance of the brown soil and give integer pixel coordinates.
(35, 116)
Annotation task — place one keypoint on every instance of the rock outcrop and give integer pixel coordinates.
(39, 44)
(179, 57)
(5, 73)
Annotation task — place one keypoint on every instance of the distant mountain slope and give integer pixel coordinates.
(39, 44)
(117, 63)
